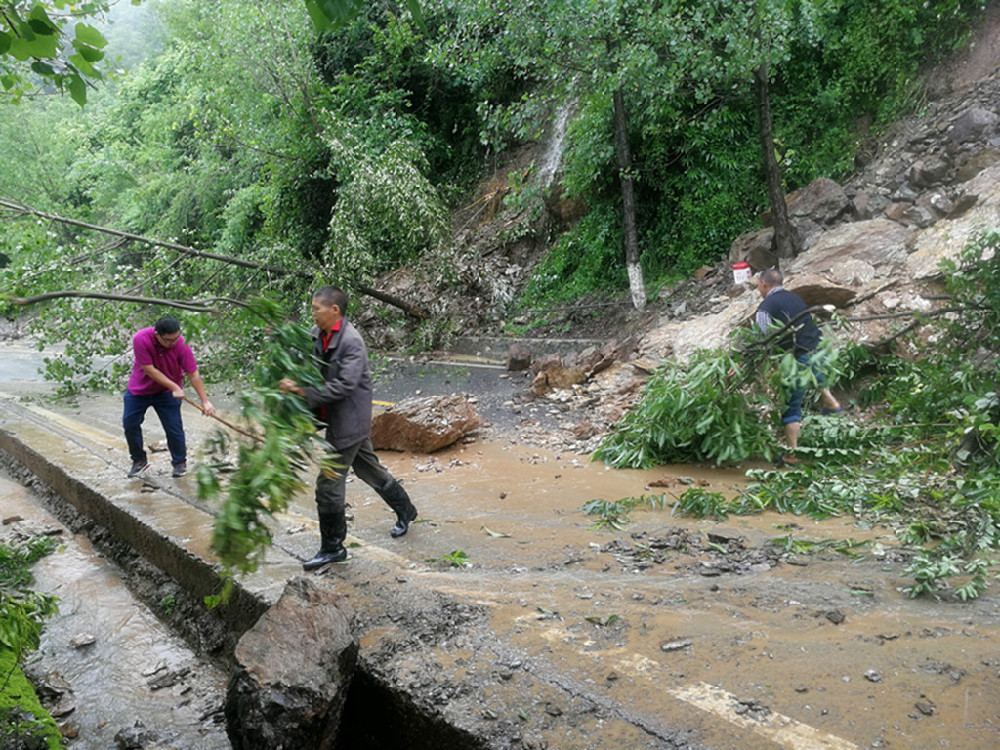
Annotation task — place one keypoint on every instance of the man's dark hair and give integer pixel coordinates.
(331, 295)
(772, 277)
(167, 325)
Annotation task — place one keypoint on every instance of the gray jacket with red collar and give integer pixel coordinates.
(346, 394)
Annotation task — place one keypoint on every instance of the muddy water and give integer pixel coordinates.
(807, 651)
(135, 669)
(810, 651)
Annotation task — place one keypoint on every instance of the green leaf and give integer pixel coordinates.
(77, 89)
(90, 54)
(5, 40)
(30, 45)
(84, 67)
(332, 14)
(89, 36)
(418, 17)
(40, 22)
(496, 534)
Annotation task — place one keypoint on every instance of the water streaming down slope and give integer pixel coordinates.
(551, 158)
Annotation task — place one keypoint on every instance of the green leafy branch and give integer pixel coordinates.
(22, 611)
(269, 467)
(615, 514)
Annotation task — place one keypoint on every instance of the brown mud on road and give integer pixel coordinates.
(666, 632)
(705, 623)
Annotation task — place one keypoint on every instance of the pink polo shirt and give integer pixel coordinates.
(172, 362)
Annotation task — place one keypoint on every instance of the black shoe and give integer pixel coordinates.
(138, 467)
(325, 558)
(403, 523)
(180, 469)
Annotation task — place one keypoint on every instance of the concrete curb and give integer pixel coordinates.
(158, 524)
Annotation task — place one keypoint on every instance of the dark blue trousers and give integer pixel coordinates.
(168, 409)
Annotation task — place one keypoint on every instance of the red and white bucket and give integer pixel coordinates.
(741, 272)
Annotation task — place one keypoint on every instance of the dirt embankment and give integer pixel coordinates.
(870, 247)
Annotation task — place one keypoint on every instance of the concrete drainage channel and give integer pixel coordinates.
(409, 665)
(156, 535)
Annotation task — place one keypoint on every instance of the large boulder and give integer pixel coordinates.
(880, 243)
(680, 339)
(949, 237)
(518, 357)
(293, 669)
(424, 425)
(557, 377)
(817, 290)
(972, 124)
(823, 201)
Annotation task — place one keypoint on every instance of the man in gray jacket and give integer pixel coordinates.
(344, 403)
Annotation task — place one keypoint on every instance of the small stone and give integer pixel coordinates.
(64, 708)
(835, 616)
(82, 639)
(873, 676)
(675, 645)
(158, 667)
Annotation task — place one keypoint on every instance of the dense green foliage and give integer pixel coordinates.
(22, 614)
(924, 458)
(689, 412)
(18, 702)
(22, 611)
(338, 156)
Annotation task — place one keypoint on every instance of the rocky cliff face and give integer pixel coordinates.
(872, 246)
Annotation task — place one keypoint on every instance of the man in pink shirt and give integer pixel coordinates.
(161, 360)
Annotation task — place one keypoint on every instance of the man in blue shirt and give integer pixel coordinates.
(778, 308)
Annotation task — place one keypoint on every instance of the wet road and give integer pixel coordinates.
(651, 622)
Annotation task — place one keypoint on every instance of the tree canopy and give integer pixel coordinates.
(341, 153)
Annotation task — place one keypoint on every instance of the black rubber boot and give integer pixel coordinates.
(397, 499)
(332, 532)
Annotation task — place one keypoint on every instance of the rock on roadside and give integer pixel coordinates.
(424, 425)
(293, 671)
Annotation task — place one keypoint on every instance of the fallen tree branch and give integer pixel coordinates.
(919, 318)
(15, 209)
(190, 306)
(917, 313)
(390, 299)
